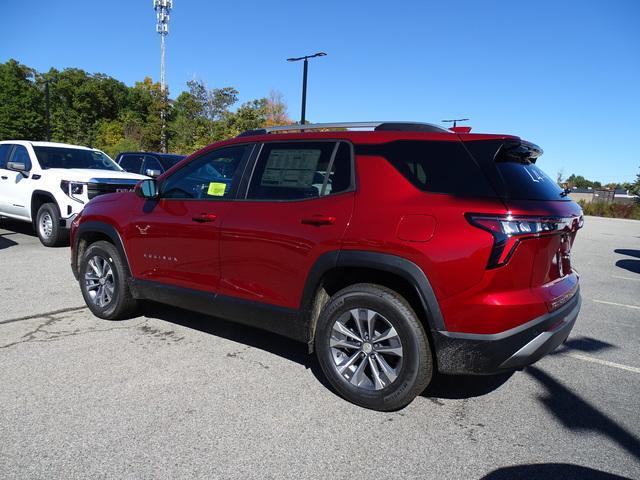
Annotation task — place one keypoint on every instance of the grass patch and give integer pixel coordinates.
(612, 210)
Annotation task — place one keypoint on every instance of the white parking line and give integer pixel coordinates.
(602, 362)
(617, 304)
(626, 278)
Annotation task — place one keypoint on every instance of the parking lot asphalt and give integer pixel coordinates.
(172, 394)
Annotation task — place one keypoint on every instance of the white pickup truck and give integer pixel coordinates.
(48, 184)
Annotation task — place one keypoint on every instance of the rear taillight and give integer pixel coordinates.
(508, 230)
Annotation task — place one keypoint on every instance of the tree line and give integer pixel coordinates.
(77, 107)
(579, 181)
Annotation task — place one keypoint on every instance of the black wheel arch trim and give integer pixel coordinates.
(46, 194)
(374, 260)
(105, 229)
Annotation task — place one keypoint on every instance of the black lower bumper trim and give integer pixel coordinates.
(459, 353)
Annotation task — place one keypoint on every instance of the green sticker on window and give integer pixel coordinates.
(216, 189)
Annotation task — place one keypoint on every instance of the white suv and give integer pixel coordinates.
(48, 184)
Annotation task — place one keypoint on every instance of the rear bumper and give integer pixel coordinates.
(465, 353)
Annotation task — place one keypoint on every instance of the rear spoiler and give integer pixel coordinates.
(518, 151)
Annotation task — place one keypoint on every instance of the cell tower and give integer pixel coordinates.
(162, 8)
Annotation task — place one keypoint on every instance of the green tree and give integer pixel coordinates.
(21, 103)
(98, 110)
(579, 181)
(248, 116)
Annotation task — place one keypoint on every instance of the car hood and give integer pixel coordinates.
(94, 175)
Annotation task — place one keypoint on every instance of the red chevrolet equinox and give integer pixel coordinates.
(393, 251)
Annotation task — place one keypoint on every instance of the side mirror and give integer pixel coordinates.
(18, 167)
(149, 172)
(147, 189)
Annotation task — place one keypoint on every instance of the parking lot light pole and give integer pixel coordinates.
(304, 80)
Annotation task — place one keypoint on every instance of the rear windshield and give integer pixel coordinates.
(526, 181)
(513, 175)
(432, 166)
(59, 157)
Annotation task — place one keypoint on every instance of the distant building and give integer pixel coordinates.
(590, 194)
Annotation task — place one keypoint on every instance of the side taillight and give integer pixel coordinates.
(508, 230)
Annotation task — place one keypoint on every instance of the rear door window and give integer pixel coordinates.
(301, 170)
(434, 166)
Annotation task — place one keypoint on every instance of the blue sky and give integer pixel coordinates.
(563, 74)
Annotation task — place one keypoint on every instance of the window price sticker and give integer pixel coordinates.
(216, 189)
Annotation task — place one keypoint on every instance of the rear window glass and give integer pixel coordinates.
(526, 181)
(514, 178)
(440, 167)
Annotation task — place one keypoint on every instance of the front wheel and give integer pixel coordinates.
(48, 228)
(103, 281)
(373, 348)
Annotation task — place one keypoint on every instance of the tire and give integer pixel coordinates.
(410, 367)
(48, 228)
(102, 267)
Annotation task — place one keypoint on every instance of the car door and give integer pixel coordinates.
(5, 153)
(297, 206)
(17, 187)
(175, 239)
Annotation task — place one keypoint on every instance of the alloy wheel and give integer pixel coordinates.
(366, 349)
(99, 281)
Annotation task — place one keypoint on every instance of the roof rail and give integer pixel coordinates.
(377, 126)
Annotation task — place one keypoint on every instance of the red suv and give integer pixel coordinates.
(392, 252)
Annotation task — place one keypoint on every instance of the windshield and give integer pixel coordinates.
(58, 157)
(169, 161)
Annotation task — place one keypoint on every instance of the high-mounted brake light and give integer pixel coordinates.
(508, 230)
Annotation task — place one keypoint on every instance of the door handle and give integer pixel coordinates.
(318, 219)
(4, 177)
(205, 217)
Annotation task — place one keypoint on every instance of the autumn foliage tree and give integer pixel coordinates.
(98, 110)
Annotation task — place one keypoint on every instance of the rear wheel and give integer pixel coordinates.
(373, 348)
(102, 277)
(48, 228)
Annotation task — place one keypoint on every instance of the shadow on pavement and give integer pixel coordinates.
(442, 386)
(630, 264)
(253, 337)
(565, 471)
(6, 242)
(15, 226)
(628, 251)
(576, 414)
(583, 344)
(464, 386)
